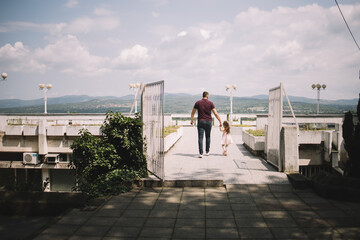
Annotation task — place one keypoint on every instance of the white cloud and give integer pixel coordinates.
(86, 25)
(182, 34)
(155, 14)
(19, 58)
(134, 57)
(71, 3)
(69, 55)
(205, 34)
(102, 11)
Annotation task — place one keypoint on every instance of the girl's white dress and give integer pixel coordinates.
(226, 139)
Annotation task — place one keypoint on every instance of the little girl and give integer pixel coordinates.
(226, 137)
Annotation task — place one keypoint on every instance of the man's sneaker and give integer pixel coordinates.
(207, 154)
(200, 156)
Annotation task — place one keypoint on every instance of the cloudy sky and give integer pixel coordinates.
(98, 47)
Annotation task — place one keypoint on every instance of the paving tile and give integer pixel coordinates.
(164, 213)
(288, 233)
(258, 188)
(219, 214)
(247, 214)
(349, 232)
(79, 237)
(115, 206)
(331, 213)
(280, 188)
(303, 214)
(129, 222)
(322, 206)
(244, 206)
(322, 233)
(101, 221)
(189, 232)
(140, 206)
(250, 222)
(150, 232)
(217, 207)
(221, 233)
(160, 222)
(190, 222)
(73, 220)
(130, 213)
(123, 232)
(61, 229)
(108, 212)
(255, 233)
(43, 236)
(87, 230)
(220, 223)
(311, 222)
(191, 214)
(241, 200)
(275, 214)
(280, 222)
(342, 222)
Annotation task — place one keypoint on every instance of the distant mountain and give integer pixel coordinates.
(174, 103)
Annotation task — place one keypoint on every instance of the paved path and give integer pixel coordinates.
(235, 212)
(239, 167)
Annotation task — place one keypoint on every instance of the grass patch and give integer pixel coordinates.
(241, 125)
(256, 133)
(170, 129)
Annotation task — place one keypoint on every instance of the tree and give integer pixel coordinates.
(108, 165)
(351, 135)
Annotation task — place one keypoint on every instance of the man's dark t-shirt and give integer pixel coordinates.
(204, 108)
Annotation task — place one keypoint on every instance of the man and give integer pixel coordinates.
(204, 108)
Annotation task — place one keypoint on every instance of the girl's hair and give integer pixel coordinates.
(226, 127)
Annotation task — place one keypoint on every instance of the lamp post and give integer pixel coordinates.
(45, 88)
(135, 87)
(230, 89)
(318, 87)
(3, 76)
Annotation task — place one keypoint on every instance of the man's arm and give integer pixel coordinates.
(217, 116)
(192, 116)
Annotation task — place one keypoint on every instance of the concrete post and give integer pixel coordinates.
(42, 137)
(289, 149)
(327, 139)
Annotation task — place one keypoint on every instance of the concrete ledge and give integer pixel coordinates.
(149, 182)
(298, 181)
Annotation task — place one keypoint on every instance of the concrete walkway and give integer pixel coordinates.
(239, 167)
(231, 212)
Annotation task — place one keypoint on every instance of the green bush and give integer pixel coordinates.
(108, 165)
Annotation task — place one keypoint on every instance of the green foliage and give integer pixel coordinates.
(170, 129)
(351, 135)
(256, 133)
(107, 166)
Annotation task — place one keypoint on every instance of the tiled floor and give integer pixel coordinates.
(232, 212)
(239, 167)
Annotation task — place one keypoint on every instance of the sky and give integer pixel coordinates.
(97, 48)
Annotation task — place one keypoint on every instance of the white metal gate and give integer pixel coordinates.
(152, 109)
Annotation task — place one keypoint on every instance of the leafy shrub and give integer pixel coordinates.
(108, 165)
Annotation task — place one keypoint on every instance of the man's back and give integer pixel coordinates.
(204, 107)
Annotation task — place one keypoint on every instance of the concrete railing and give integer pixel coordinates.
(253, 142)
(171, 139)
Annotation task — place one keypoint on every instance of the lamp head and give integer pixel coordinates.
(41, 86)
(313, 86)
(3, 76)
(227, 87)
(234, 86)
(48, 86)
(318, 86)
(138, 85)
(324, 86)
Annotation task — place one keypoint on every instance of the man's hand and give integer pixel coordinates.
(191, 122)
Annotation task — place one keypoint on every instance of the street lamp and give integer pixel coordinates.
(318, 87)
(3, 76)
(230, 89)
(44, 87)
(135, 87)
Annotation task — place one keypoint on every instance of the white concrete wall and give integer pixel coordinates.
(255, 143)
(172, 138)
